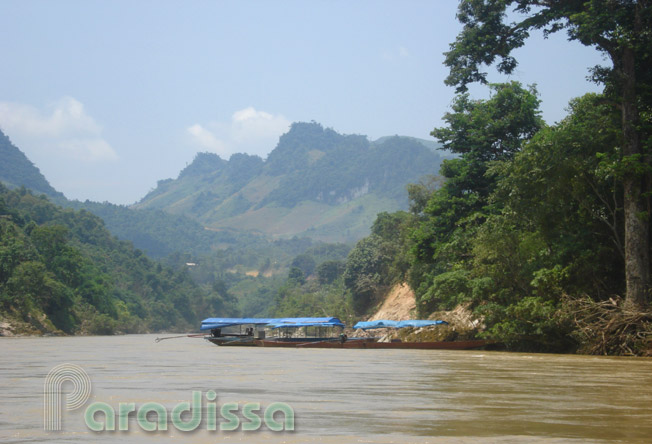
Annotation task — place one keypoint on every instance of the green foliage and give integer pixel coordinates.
(487, 38)
(551, 226)
(531, 324)
(296, 276)
(377, 261)
(493, 129)
(619, 31)
(311, 298)
(485, 133)
(160, 234)
(445, 291)
(61, 270)
(304, 262)
(365, 273)
(512, 232)
(329, 271)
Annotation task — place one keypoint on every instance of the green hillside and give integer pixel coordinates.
(432, 144)
(62, 271)
(17, 170)
(316, 182)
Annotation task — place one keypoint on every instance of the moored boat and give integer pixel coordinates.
(229, 331)
(340, 342)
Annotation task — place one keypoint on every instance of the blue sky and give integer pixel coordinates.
(108, 97)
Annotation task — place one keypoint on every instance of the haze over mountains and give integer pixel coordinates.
(316, 183)
(17, 170)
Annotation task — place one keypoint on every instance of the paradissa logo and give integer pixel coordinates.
(278, 416)
(152, 416)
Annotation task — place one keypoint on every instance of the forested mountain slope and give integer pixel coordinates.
(17, 170)
(62, 271)
(316, 182)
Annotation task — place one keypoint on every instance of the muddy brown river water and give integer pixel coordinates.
(337, 395)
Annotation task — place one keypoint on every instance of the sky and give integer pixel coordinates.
(108, 97)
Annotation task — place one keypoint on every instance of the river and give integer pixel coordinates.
(337, 395)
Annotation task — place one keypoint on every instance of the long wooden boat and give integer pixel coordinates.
(254, 337)
(314, 343)
(253, 331)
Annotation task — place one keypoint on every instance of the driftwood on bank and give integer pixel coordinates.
(611, 327)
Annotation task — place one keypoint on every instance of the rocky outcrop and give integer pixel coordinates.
(400, 304)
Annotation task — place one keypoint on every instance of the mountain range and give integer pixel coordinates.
(315, 183)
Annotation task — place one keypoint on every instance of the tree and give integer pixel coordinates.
(329, 271)
(296, 276)
(482, 132)
(366, 271)
(306, 263)
(620, 30)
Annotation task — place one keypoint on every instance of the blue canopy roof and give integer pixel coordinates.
(307, 322)
(211, 323)
(369, 325)
(376, 324)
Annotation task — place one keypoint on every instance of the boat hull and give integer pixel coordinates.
(231, 342)
(319, 343)
(249, 341)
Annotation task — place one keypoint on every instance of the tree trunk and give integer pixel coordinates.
(637, 259)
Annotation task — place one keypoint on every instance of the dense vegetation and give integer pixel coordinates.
(620, 31)
(161, 234)
(527, 229)
(61, 271)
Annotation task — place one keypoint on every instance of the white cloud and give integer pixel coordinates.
(61, 129)
(249, 131)
(394, 54)
(206, 139)
(88, 150)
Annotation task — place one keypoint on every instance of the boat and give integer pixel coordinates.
(228, 331)
(223, 334)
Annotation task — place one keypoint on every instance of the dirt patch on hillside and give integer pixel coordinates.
(399, 305)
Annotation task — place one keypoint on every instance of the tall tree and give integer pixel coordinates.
(618, 28)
